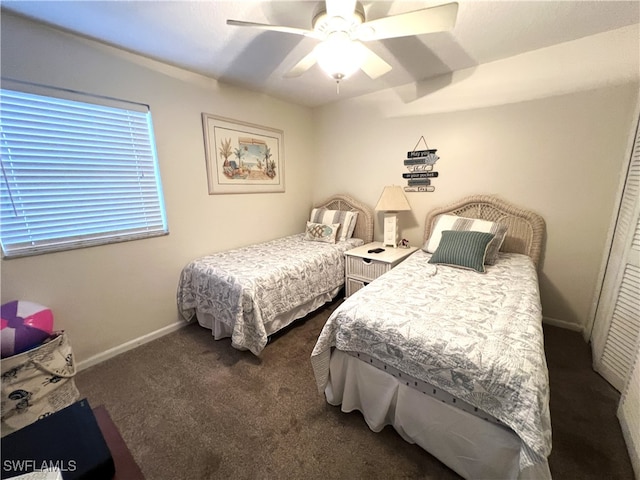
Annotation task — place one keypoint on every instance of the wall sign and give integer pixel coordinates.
(420, 165)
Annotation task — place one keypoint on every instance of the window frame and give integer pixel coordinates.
(108, 143)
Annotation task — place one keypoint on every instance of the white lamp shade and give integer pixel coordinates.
(393, 199)
(339, 56)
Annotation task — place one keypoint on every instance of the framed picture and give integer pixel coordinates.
(242, 157)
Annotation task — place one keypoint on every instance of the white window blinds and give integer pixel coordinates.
(75, 174)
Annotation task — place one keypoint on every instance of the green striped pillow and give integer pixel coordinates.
(466, 249)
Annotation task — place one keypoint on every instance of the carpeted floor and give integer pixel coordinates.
(193, 408)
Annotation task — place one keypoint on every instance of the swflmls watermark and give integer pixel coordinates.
(39, 465)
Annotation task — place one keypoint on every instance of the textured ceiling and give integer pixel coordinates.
(194, 35)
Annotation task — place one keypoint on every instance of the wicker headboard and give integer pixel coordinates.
(526, 229)
(364, 223)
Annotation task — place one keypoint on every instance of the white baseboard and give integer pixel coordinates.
(563, 324)
(632, 447)
(112, 352)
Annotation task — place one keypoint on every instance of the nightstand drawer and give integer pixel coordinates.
(354, 285)
(365, 268)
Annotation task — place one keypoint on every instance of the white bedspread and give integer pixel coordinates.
(247, 287)
(477, 336)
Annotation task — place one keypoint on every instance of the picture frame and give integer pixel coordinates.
(242, 157)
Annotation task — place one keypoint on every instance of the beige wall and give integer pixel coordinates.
(546, 130)
(544, 137)
(109, 295)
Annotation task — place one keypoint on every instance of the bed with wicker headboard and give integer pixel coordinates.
(249, 293)
(452, 357)
(525, 228)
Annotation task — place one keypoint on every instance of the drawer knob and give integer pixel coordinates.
(366, 260)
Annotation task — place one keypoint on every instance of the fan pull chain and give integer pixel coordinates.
(338, 87)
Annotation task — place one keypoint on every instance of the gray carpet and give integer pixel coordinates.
(193, 408)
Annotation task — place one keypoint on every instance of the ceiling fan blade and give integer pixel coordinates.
(303, 65)
(274, 28)
(340, 8)
(419, 22)
(372, 64)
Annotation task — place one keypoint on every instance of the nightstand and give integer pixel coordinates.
(362, 267)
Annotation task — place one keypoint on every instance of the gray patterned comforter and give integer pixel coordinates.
(476, 336)
(247, 287)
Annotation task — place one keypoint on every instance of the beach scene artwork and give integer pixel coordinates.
(250, 159)
(242, 157)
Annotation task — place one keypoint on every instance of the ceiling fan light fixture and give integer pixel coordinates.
(324, 24)
(339, 56)
(342, 30)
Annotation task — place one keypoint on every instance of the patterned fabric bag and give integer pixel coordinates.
(37, 383)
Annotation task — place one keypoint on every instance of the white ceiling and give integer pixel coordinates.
(194, 35)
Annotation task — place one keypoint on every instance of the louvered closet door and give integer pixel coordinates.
(617, 323)
(629, 414)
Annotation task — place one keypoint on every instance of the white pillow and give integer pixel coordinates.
(319, 232)
(453, 222)
(347, 220)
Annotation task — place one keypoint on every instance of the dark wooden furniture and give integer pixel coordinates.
(126, 466)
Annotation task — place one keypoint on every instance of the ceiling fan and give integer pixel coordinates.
(341, 28)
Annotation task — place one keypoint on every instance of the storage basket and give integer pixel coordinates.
(37, 383)
(365, 268)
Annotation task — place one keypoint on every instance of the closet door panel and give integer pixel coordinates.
(629, 413)
(617, 322)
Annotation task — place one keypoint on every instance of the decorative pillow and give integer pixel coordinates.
(347, 220)
(466, 249)
(453, 222)
(319, 232)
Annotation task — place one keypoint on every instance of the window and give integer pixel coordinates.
(75, 174)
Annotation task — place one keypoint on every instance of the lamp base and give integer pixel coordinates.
(390, 230)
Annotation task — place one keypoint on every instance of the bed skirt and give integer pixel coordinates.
(221, 330)
(471, 446)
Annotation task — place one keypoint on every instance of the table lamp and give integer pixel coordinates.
(392, 201)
